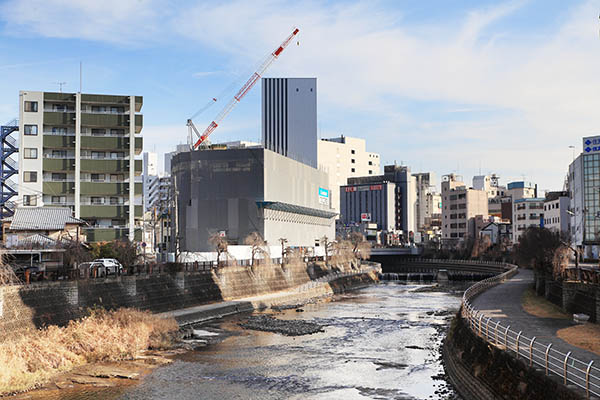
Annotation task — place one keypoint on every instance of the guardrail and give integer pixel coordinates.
(571, 370)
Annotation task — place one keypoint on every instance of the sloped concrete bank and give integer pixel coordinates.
(480, 371)
(326, 286)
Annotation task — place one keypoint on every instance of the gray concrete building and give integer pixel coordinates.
(244, 190)
(289, 118)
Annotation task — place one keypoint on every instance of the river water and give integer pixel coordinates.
(381, 342)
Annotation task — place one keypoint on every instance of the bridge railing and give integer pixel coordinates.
(535, 352)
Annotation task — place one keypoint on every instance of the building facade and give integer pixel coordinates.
(428, 202)
(79, 150)
(583, 184)
(239, 191)
(404, 197)
(556, 207)
(496, 193)
(150, 179)
(527, 212)
(344, 158)
(460, 206)
(370, 203)
(289, 118)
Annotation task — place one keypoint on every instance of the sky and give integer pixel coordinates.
(465, 86)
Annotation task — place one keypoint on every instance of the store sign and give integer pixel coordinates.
(591, 144)
(365, 217)
(323, 196)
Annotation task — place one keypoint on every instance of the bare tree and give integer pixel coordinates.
(257, 244)
(7, 275)
(283, 241)
(219, 242)
(328, 246)
(360, 246)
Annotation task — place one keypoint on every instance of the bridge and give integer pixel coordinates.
(396, 266)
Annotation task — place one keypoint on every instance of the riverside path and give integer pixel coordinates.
(503, 303)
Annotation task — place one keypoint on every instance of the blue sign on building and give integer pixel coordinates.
(591, 144)
(323, 192)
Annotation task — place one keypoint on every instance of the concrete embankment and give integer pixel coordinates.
(56, 303)
(326, 286)
(481, 371)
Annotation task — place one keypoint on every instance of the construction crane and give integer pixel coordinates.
(239, 95)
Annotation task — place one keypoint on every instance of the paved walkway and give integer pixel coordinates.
(503, 303)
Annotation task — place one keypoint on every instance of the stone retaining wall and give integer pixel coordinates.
(572, 297)
(56, 303)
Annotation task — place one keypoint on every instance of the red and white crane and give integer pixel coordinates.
(240, 94)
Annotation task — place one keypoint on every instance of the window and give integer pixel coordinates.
(352, 170)
(116, 177)
(30, 176)
(31, 130)
(98, 177)
(59, 199)
(59, 153)
(353, 151)
(116, 155)
(59, 176)
(370, 172)
(98, 154)
(97, 200)
(114, 201)
(29, 152)
(116, 222)
(31, 106)
(59, 107)
(370, 162)
(98, 132)
(353, 161)
(29, 200)
(116, 109)
(62, 131)
(98, 109)
(117, 131)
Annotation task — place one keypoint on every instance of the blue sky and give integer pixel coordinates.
(501, 86)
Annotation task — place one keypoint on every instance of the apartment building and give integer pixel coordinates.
(527, 212)
(556, 217)
(150, 180)
(345, 157)
(78, 150)
(428, 202)
(496, 193)
(460, 205)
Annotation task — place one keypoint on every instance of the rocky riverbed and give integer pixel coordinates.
(286, 327)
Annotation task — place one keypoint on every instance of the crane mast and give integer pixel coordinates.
(240, 94)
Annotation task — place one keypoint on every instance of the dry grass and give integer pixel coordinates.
(540, 307)
(33, 358)
(586, 336)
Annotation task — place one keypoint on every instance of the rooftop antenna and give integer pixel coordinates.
(60, 85)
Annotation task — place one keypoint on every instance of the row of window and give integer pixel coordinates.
(32, 153)
(553, 220)
(32, 130)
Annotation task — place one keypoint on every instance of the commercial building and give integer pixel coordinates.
(345, 157)
(521, 190)
(79, 150)
(556, 207)
(428, 207)
(394, 206)
(180, 148)
(496, 193)
(460, 206)
(583, 184)
(238, 191)
(289, 118)
(527, 212)
(150, 179)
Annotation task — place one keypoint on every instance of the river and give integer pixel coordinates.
(381, 342)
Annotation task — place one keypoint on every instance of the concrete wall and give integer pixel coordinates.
(38, 305)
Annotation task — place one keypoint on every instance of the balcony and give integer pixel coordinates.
(59, 142)
(108, 188)
(110, 143)
(107, 99)
(110, 234)
(59, 118)
(110, 121)
(107, 211)
(59, 164)
(108, 165)
(58, 188)
(60, 97)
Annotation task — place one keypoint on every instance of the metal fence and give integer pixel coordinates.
(535, 352)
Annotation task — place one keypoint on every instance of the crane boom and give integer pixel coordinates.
(241, 93)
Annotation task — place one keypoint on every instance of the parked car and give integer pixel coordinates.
(112, 266)
(90, 266)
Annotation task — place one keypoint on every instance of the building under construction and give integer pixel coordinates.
(237, 191)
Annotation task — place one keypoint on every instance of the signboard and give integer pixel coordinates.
(591, 144)
(365, 217)
(363, 188)
(323, 196)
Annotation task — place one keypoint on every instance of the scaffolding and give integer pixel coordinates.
(8, 167)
